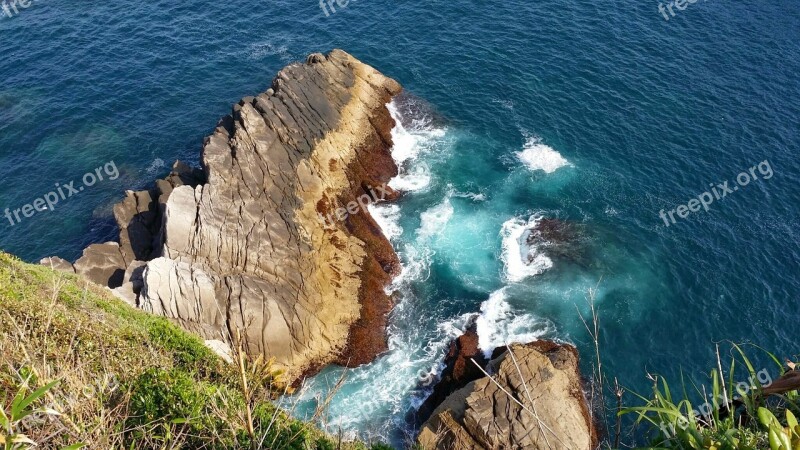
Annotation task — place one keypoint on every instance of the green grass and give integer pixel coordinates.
(122, 378)
(673, 420)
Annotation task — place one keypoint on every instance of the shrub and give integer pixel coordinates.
(725, 421)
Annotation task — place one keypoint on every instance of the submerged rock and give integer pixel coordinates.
(557, 239)
(241, 244)
(537, 402)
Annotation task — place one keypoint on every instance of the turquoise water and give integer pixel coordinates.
(596, 114)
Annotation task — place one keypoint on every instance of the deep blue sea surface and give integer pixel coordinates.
(597, 114)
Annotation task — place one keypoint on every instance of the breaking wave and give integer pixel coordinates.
(538, 156)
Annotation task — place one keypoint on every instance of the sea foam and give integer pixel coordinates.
(434, 220)
(498, 325)
(387, 216)
(521, 260)
(538, 156)
(409, 144)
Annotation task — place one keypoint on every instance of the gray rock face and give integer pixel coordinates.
(543, 406)
(239, 245)
(102, 264)
(56, 263)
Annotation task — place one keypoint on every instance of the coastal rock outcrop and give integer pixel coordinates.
(459, 369)
(242, 245)
(534, 400)
(59, 264)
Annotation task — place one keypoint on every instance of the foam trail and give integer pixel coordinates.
(522, 261)
(156, 166)
(498, 325)
(387, 216)
(409, 145)
(538, 156)
(434, 220)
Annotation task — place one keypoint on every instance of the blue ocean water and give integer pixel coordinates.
(597, 114)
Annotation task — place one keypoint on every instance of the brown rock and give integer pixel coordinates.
(239, 245)
(56, 263)
(459, 369)
(545, 379)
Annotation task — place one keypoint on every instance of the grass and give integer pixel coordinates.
(738, 409)
(733, 413)
(102, 375)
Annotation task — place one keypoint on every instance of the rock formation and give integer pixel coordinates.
(535, 402)
(558, 240)
(239, 245)
(458, 371)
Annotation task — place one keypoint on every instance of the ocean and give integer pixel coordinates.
(621, 134)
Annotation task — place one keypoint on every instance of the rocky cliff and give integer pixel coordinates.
(241, 244)
(533, 400)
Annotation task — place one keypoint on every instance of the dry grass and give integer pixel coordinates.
(127, 379)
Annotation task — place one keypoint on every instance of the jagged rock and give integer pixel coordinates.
(186, 293)
(482, 416)
(139, 214)
(558, 239)
(315, 58)
(459, 369)
(132, 283)
(240, 244)
(56, 263)
(126, 294)
(102, 264)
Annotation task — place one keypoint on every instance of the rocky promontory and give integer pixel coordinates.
(260, 239)
(533, 400)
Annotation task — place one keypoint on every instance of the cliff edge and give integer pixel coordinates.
(261, 239)
(533, 400)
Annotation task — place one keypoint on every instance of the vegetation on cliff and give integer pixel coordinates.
(80, 368)
(743, 409)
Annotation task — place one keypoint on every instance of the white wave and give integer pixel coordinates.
(434, 220)
(415, 179)
(387, 216)
(522, 261)
(538, 156)
(156, 166)
(409, 144)
(415, 267)
(475, 197)
(498, 325)
(417, 256)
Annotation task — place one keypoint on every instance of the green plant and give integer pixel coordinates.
(780, 437)
(22, 406)
(127, 379)
(724, 419)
